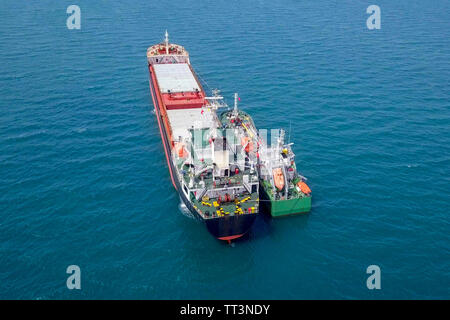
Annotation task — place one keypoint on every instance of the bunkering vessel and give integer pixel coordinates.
(283, 189)
(217, 180)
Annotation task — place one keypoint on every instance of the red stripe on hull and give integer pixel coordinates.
(158, 116)
(228, 238)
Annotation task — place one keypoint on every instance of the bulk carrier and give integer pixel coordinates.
(217, 161)
(208, 167)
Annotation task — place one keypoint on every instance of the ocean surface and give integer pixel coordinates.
(84, 180)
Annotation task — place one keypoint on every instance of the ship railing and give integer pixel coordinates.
(215, 191)
(164, 58)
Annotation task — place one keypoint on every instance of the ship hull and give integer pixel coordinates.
(230, 227)
(223, 228)
(281, 208)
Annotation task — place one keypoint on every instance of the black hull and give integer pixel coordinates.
(231, 227)
(223, 228)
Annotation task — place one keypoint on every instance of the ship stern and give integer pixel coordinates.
(230, 227)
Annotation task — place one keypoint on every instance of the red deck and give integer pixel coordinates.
(182, 100)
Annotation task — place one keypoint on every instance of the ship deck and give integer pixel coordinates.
(175, 77)
(232, 184)
(181, 120)
(228, 208)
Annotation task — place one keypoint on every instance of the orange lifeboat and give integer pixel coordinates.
(304, 187)
(278, 178)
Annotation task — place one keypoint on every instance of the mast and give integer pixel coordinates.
(235, 105)
(166, 40)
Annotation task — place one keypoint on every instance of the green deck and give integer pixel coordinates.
(300, 203)
(228, 208)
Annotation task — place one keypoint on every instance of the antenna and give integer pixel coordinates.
(235, 104)
(166, 40)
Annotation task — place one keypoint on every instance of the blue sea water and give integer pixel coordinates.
(83, 177)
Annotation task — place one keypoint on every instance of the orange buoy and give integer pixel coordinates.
(278, 178)
(304, 187)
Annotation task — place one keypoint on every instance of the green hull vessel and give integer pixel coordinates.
(280, 208)
(283, 191)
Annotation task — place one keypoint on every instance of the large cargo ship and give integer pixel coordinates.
(210, 167)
